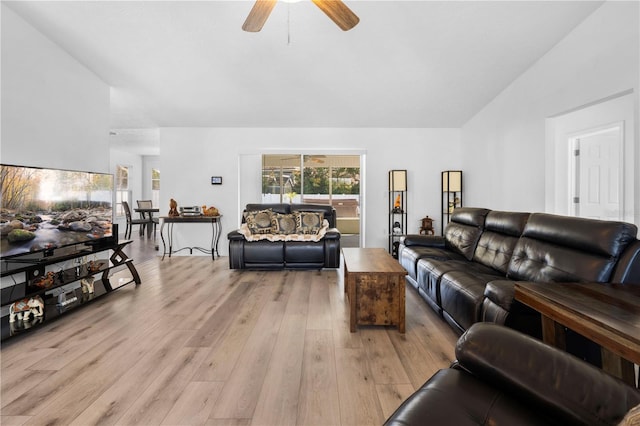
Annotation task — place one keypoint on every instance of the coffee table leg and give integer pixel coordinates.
(351, 284)
(401, 302)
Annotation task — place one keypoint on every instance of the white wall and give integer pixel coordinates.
(190, 156)
(55, 112)
(504, 144)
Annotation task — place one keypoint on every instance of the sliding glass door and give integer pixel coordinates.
(315, 179)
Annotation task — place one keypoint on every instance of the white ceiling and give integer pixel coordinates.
(406, 64)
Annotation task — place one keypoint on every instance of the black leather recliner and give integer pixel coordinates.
(504, 377)
(266, 254)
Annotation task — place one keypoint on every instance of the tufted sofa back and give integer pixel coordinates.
(464, 230)
(562, 248)
(499, 238)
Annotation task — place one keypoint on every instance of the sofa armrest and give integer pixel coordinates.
(501, 292)
(423, 240)
(235, 236)
(332, 234)
(627, 269)
(543, 376)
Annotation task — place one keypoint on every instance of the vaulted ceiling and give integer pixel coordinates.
(406, 64)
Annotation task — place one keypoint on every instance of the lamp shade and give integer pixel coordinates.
(452, 181)
(397, 180)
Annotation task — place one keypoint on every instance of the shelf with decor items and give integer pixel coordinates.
(397, 209)
(451, 195)
(42, 288)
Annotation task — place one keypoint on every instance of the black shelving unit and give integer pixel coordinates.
(451, 195)
(59, 291)
(397, 209)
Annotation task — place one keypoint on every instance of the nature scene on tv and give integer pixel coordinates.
(42, 209)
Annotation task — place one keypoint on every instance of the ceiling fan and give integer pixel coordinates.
(336, 10)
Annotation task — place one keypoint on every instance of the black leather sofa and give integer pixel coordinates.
(503, 377)
(468, 275)
(266, 254)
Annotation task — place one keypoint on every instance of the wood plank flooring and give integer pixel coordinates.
(199, 344)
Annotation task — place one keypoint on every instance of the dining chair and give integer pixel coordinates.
(131, 221)
(148, 216)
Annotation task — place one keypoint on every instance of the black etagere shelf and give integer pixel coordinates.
(451, 195)
(397, 209)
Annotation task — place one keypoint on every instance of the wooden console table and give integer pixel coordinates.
(216, 229)
(375, 284)
(608, 314)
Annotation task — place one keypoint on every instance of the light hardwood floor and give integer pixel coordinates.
(199, 344)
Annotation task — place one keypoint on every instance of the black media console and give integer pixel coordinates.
(57, 289)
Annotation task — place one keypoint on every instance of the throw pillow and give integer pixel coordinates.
(632, 418)
(259, 222)
(283, 224)
(309, 222)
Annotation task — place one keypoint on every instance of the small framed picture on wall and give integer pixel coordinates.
(216, 180)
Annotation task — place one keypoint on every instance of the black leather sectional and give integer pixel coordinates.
(503, 377)
(468, 275)
(265, 254)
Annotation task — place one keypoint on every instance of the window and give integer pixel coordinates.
(155, 186)
(316, 179)
(122, 188)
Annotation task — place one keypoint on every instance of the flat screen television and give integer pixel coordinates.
(43, 209)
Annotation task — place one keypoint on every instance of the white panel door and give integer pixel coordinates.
(598, 169)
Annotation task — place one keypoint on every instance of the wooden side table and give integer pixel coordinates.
(608, 314)
(375, 284)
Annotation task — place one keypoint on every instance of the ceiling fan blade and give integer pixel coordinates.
(258, 15)
(339, 13)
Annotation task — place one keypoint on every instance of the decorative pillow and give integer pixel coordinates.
(309, 222)
(632, 418)
(284, 224)
(259, 222)
(244, 230)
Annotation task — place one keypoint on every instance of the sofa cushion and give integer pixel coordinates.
(603, 238)
(430, 271)
(499, 238)
(462, 295)
(304, 253)
(308, 222)
(260, 252)
(259, 221)
(283, 224)
(464, 230)
(535, 260)
(562, 248)
(409, 257)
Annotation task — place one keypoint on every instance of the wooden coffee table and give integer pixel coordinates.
(375, 284)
